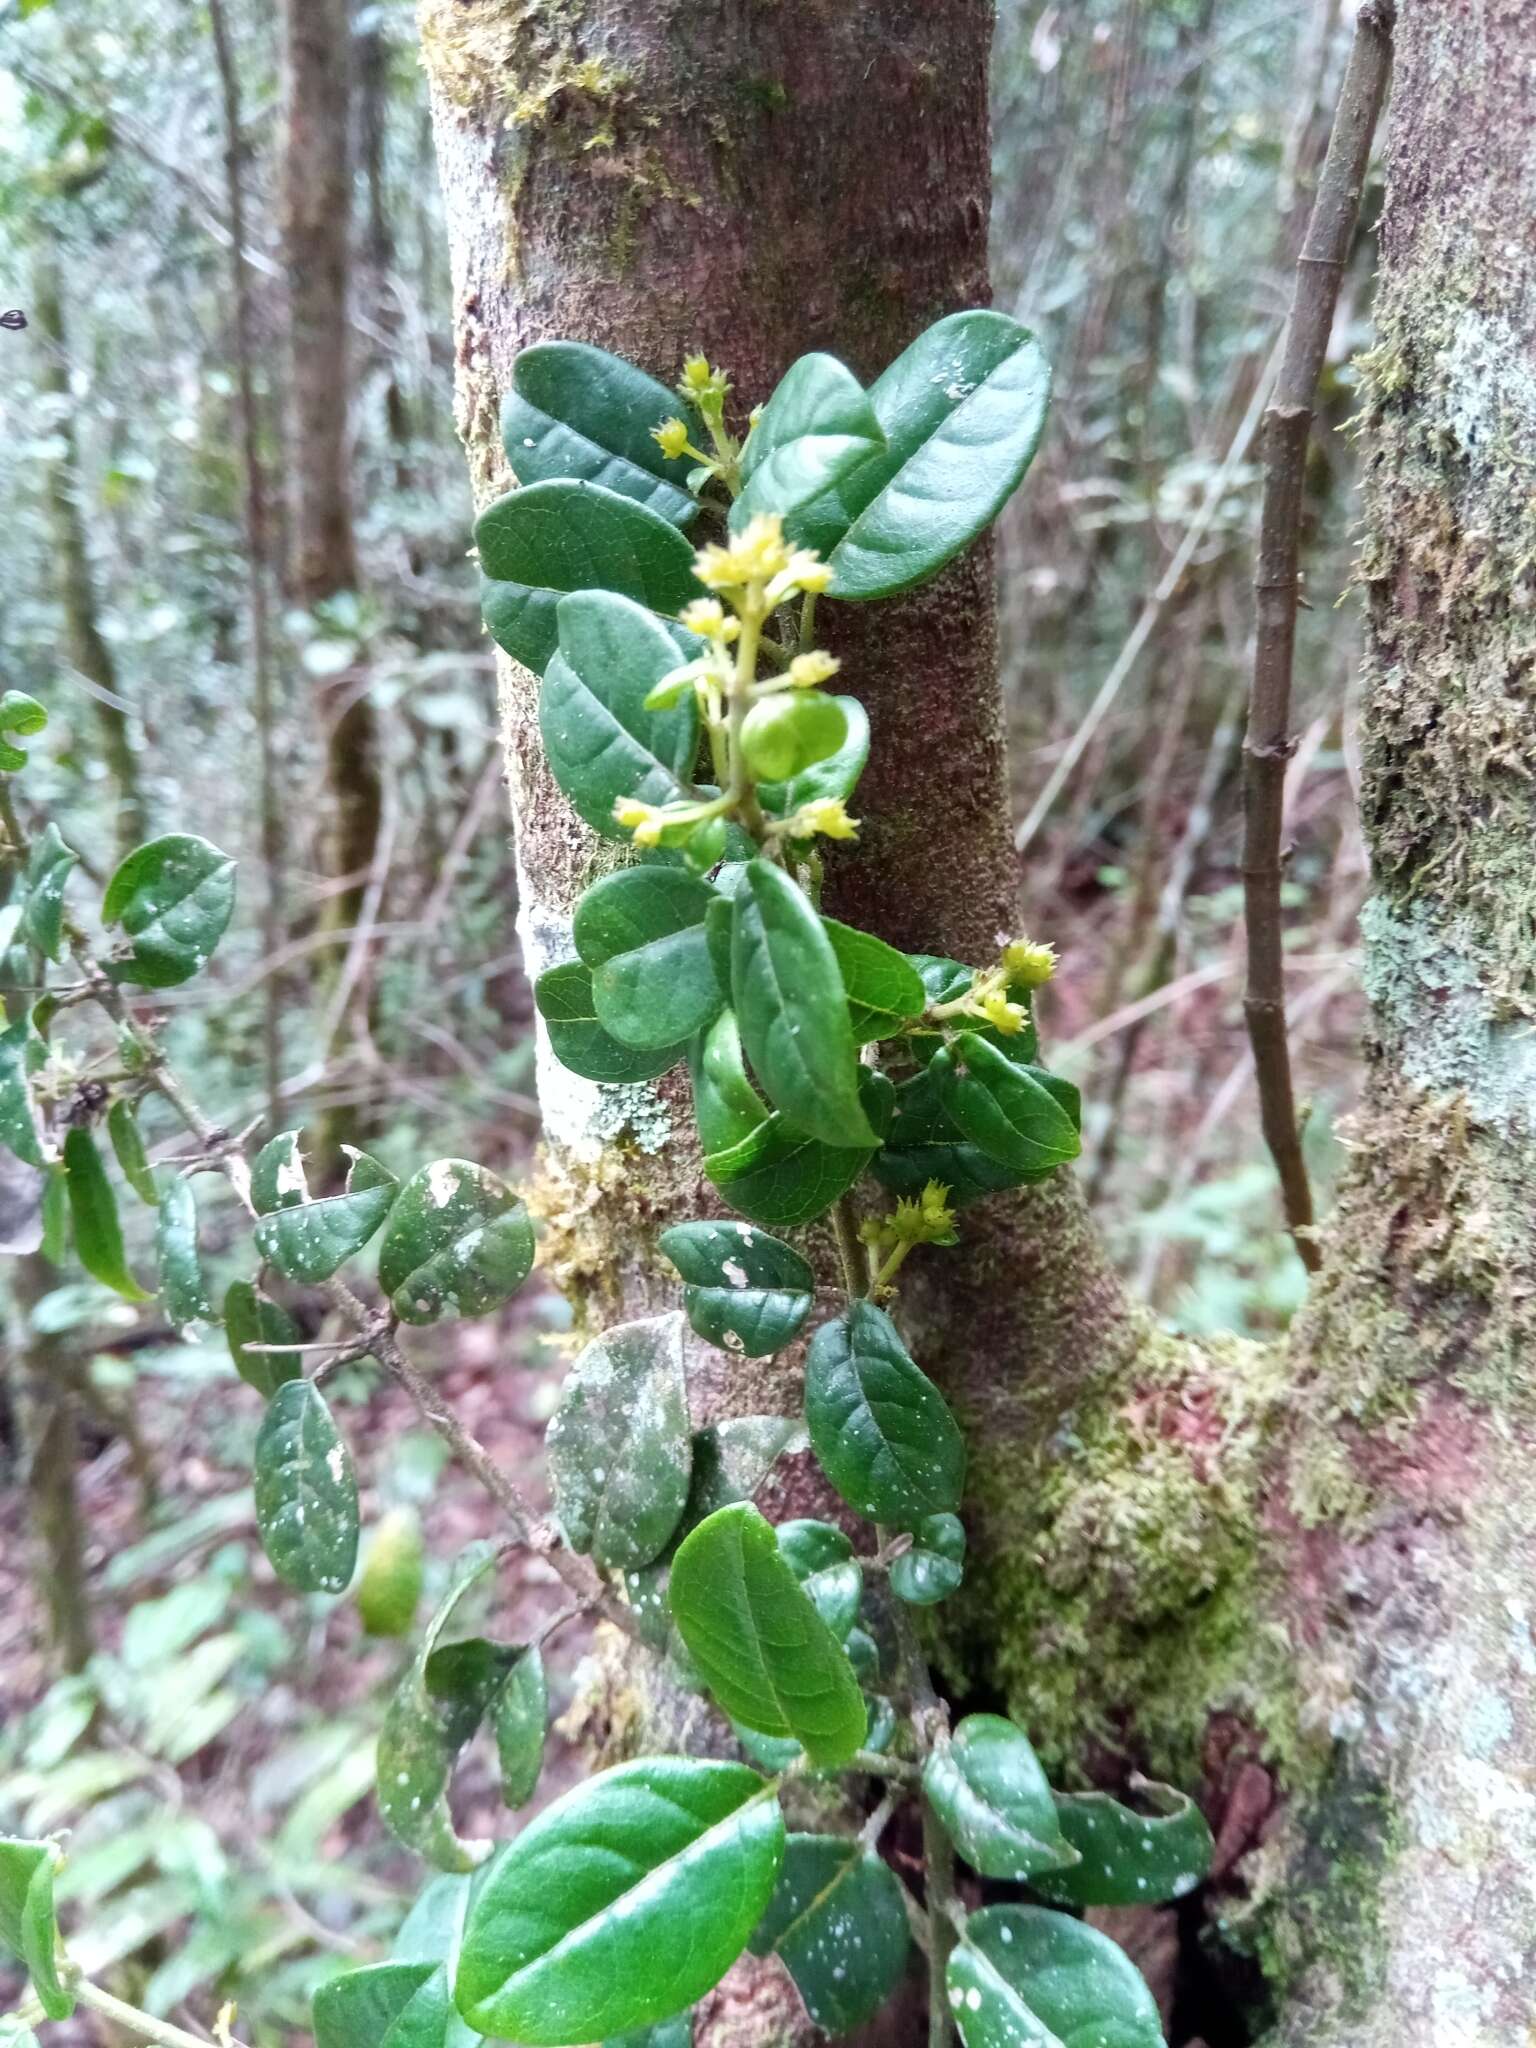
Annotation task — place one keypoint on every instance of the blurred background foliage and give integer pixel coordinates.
(1155, 159)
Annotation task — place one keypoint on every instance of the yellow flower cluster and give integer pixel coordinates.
(758, 568)
(1029, 964)
(927, 1220)
(825, 818)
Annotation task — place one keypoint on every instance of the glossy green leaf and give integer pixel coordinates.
(458, 1243)
(987, 1787)
(837, 1923)
(935, 1565)
(1010, 1112)
(619, 1447)
(18, 1112)
(925, 1144)
(565, 1001)
(250, 1318)
(791, 1009)
(837, 776)
(745, 1291)
(183, 1288)
(306, 1492)
(21, 714)
(309, 1240)
(622, 1903)
(576, 412)
(1128, 1858)
(821, 1558)
(93, 1214)
(600, 740)
(883, 988)
(128, 1149)
(173, 898)
(28, 1923)
(726, 1106)
(761, 1647)
(384, 2005)
(434, 1712)
(49, 865)
(881, 1429)
(962, 411)
(520, 1717)
(816, 429)
(1024, 1977)
(539, 544)
(641, 933)
(780, 1178)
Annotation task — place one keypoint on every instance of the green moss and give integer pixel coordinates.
(1133, 1590)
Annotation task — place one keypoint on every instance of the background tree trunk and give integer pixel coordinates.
(317, 221)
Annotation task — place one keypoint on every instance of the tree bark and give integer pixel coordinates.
(1300, 1570)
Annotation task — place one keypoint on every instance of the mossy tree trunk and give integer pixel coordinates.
(1298, 1574)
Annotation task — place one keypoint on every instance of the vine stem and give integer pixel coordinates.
(1268, 745)
(850, 1248)
(141, 2024)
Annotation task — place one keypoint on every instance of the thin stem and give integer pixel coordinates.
(1269, 744)
(851, 1248)
(879, 1820)
(807, 622)
(141, 2024)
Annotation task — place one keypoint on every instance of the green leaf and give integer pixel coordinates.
(1128, 1858)
(56, 1222)
(837, 776)
(22, 714)
(677, 2033)
(93, 1213)
(838, 1924)
(962, 410)
(882, 1431)
(250, 1318)
(577, 412)
(726, 1107)
(18, 1114)
(28, 1923)
(49, 865)
(621, 1903)
(128, 1149)
(306, 1492)
(987, 1787)
(458, 1243)
(641, 932)
(761, 1647)
(816, 430)
(779, 1178)
(883, 987)
(564, 999)
(173, 898)
(926, 1144)
(1011, 1112)
(601, 742)
(790, 731)
(619, 1445)
(747, 1292)
(539, 544)
(521, 1720)
(935, 1565)
(384, 2005)
(1024, 1977)
(183, 1289)
(305, 1239)
(434, 1712)
(792, 1011)
(394, 1567)
(821, 1558)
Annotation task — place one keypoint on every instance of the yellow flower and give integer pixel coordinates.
(704, 386)
(1028, 963)
(807, 670)
(671, 437)
(706, 617)
(643, 820)
(825, 816)
(696, 373)
(1009, 1018)
(755, 555)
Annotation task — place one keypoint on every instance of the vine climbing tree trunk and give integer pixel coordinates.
(1297, 1576)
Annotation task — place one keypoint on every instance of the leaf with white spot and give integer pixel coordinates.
(306, 1492)
(1024, 1977)
(458, 1243)
(619, 1447)
(837, 1923)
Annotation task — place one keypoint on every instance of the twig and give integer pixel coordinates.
(1267, 748)
(141, 2025)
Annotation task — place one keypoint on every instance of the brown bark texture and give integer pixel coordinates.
(1295, 1576)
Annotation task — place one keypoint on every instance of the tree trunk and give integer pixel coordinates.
(88, 652)
(1300, 1571)
(316, 220)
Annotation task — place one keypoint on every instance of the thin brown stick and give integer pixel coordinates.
(1267, 748)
